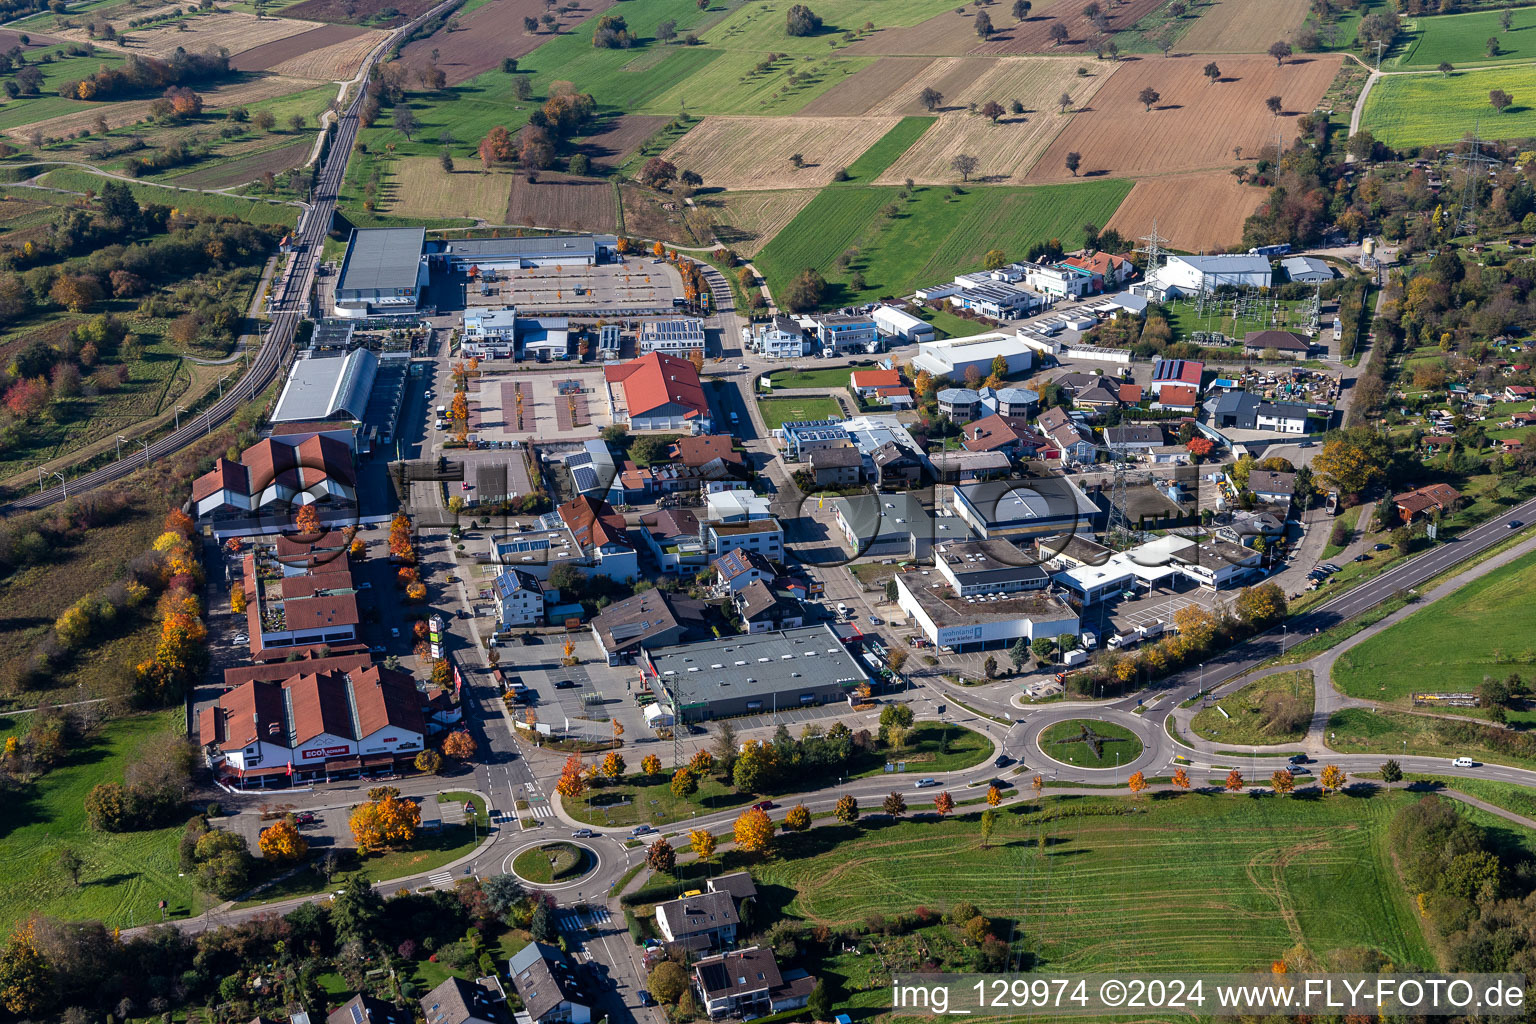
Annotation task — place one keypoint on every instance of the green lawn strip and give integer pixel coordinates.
(552, 862)
(931, 747)
(874, 160)
(1463, 39)
(1349, 519)
(816, 377)
(778, 411)
(1369, 731)
(1423, 110)
(1247, 718)
(1482, 629)
(649, 800)
(928, 237)
(125, 874)
(1117, 915)
(1317, 643)
(1511, 797)
(1060, 743)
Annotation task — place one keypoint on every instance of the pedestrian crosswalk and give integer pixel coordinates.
(441, 879)
(539, 808)
(576, 920)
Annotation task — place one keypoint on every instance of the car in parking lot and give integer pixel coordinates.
(926, 783)
(1362, 557)
(394, 631)
(1330, 567)
(376, 649)
(306, 818)
(874, 620)
(1380, 547)
(239, 638)
(583, 833)
(567, 684)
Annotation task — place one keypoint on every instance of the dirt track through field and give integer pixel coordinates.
(866, 88)
(1242, 26)
(268, 55)
(1194, 124)
(492, 32)
(1194, 212)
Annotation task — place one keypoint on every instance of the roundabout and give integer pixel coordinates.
(555, 864)
(1090, 744)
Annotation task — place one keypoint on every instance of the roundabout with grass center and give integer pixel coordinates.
(1086, 743)
(553, 863)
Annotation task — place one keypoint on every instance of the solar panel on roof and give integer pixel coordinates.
(357, 1013)
(585, 478)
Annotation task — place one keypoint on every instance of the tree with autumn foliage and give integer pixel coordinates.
(797, 819)
(701, 763)
(702, 842)
(1199, 447)
(357, 549)
(1234, 781)
(1331, 778)
(282, 842)
(847, 809)
(613, 765)
(661, 857)
(307, 520)
(994, 795)
(943, 804)
(385, 822)
(572, 783)
(1180, 778)
(754, 831)
(237, 598)
(400, 547)
(1262, 605)
(650, 764)
(26, 979)
(460, 745)
(894, 804)
(988, 824)
(1137, 782)
(1282, 781)
(428, 761)
(684, 783)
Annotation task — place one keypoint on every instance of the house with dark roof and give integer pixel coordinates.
(1272, 485)
(672, 535)
(365, 1009)
(747, 982)
(657, 392)
(602, 537)
(962, 466)
(704, 921)
(457, 1001)
(1099, 397)
(548, 986)
(842, 466)
(1134, 437)
(764, 608)
(896, 466)
(1285, 344)
(651, 618)
(1424, 502)
(739, 567)
(1064, 433)
(520, 596)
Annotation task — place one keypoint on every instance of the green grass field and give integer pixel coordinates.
(651, 801)
(778, 411)
(1483, 629)
(759, 26)
(1364, 731)
(1060, 742)
(255, 211)
(933, 235)
(730, 84)
(1248, 722)
(125, 875)
(27, 109)
(1194, 882)
(1463, 38)
(828, 377)
(552, 862)
(1422, 110)
(874, 160)
(931, 747)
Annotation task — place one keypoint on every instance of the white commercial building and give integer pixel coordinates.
(489, 334)
(896, 323)
(679, 338)
(982, 620)
(953, 356)
(1191, 275)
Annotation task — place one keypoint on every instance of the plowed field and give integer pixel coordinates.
(267, 55)
(754, 152)
(1242, 26)
(1195, 124)
(335, 63)
(232, 30)
(1034, 35)
(559, 201)
(1195, 212)
(355, 12)
(492, 32)
(247, 168)
(862, 92)
(1035, 82)
(618, 137)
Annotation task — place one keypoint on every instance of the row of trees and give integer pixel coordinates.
(139, 75)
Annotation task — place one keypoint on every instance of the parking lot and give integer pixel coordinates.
(637, 284)
(569, 403)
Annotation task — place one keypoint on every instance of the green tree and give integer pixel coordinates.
(753, 769)
(899, 715)
(1391, 772)
(357, 910)
(819, 1004)
(70, 863)
(1019, 654)
(26, 980)
(1044, 647)
(988, 826)
(667, 982)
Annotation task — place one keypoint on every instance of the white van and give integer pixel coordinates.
(842, 609)
(1090, 640)
(442, 410)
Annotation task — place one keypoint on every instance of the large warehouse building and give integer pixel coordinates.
(748, 675)
(520, 252)
(382, 274)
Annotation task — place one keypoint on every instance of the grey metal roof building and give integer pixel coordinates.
(382, 267)
(328, 387)
(524, 249)
(743, 675)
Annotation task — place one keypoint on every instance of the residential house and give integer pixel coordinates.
(735, 569)
(780, 338)
(1010, 401)
(1134, 437)
(896, 466)
(1282, 417)
(672, 535)
(702, 921)
(741, 519)
(457, 1001)
(651, 618)
(747, 982)
(1176, 373)
(895, 398)
(1178, 398)
(1285, 344)
(1272, 486)
(959, 404)
(366, 1009)
(1423, 502)
(840, 332)
(1518, 392)
(1130, 394)
(963, 466)
(489, 334)
(1113, 271)
(1063, 432)
(801, 437)
(657, 392)
(1011, 435)
(764, 608)
(1099, 398)
(837, 467)
(547, 985)
(520, 598)
(602, 537)
(681, 338)
(1169, 455)
(865, 383)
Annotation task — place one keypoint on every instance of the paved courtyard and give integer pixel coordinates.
(568, 403)
(634, 286)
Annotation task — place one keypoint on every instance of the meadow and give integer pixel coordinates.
(929, 236)
(874, 160)
(1060, 742)
(1195, 882)
(1390, 733)
(1424, 110)
(759, 26)
(1483, 629)
(1463, 38)
(253, 210)
(778, 411)
(125, 874)
(1248, 721)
